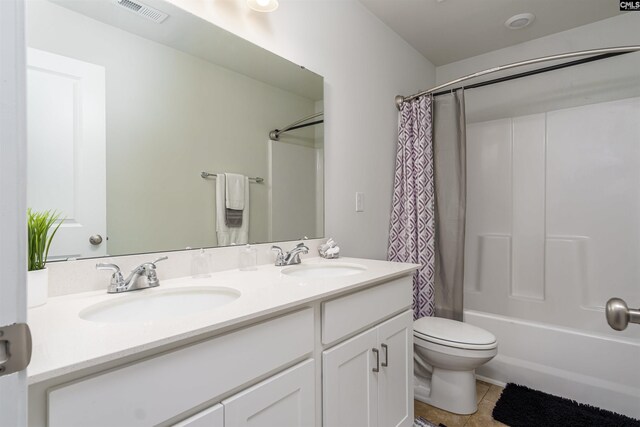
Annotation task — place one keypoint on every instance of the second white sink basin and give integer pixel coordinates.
(159, 304)
(323, 270)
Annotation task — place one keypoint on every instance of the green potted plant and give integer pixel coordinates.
(41, 228)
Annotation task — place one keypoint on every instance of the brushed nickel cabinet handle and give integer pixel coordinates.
(377, 353)
(386, 355)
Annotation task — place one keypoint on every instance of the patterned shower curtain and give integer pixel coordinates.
(411, 235)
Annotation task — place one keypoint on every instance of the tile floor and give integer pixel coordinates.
(487, 395)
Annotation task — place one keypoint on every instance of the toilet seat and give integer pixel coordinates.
(452, 333)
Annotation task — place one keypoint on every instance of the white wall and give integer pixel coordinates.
(365, 65)
(171, 115)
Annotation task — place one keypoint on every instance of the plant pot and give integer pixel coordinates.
(37, 287)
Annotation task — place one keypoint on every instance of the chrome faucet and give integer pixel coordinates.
(142, 277)
(290, 258)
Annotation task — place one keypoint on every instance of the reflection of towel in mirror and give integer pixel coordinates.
(234, 199)
(233, 217)
(234, 189)
(228, 235)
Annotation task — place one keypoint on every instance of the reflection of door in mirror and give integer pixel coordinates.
(66, 149)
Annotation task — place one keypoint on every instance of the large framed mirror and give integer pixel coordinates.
(149, 130)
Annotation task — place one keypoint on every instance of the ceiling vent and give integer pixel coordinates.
(143, 10)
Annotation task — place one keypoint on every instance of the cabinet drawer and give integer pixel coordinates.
(212, 417)
(152, 391)
(351, 313)
(286, 399)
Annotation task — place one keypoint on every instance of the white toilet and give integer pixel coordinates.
(446, 354)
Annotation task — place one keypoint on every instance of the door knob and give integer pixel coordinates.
(95, 240)
(619, 315)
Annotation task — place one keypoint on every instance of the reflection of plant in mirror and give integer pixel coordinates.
(38, 226)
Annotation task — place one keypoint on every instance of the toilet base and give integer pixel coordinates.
(453, 391)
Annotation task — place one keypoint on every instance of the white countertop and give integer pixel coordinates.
(64, 343)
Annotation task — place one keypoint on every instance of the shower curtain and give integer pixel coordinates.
(411, 234)
(429, 202)
(450, 165)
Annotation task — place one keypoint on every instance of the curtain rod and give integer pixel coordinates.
(275, 134)
(532, 72)
(610, 51)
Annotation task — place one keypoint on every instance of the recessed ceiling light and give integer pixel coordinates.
(518, 22)
(263, 5)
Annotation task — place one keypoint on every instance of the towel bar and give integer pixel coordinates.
(213, 175)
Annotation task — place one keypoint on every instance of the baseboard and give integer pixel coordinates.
(490, 380)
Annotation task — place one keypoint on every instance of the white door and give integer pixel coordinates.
(350, 385)
(66, 149)
(395, 381)
(13, 263)
(286, 399)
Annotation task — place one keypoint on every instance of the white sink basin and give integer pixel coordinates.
(159, 304)
(323, 270)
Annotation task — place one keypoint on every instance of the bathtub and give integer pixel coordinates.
(591, 368)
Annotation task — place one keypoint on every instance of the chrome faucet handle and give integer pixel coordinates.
(117, 280)
(112, 267)
(293, 256)
(162, 258)
(150, 264)
(279, 255)
(149, 269)
(300, 248)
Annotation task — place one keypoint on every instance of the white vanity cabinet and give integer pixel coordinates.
(344, 360)
(368, 379)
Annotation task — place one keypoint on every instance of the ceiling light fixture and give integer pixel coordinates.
(263, 5)
(520, 21)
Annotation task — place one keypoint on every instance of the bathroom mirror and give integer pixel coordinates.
(130, 102)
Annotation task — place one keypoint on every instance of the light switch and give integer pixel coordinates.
(359, 202)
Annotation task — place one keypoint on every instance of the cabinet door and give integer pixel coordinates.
(395, 388)
(286, 399)
(350, 387)
(211, 417)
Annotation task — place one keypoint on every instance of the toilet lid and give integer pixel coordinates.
(451, 331)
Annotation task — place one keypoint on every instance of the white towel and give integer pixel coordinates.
(231, 235)
(235, 190)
